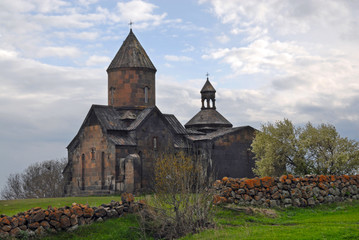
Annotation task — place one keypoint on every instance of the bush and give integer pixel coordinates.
(182, 203)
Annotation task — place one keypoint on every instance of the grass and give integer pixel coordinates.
(329, 221)
(333, 221)
(11, 207)
(119, 228)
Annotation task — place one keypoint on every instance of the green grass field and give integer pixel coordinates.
(14, 206)
(330, 221)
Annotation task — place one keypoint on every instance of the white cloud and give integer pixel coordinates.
(174, 58)
(137, 11)
(223, 38)
(285, 17)
(66, 51)
(98, 60)
(87, 36)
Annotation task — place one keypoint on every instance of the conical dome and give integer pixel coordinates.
(131, 55)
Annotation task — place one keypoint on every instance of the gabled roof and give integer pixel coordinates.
(115, 119)
(140, 118)
(116, 122)
(207, 87)
(131, 55)
(177, 126)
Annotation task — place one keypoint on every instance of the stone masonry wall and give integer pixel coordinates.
(37, 221)
(287, 190)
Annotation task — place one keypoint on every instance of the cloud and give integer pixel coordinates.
(174, 58)
(312, 78)
(66, 51)
(137, 11)
(223, 38)
(285, 17)
(98, 60)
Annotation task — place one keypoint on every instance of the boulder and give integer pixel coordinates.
(311, 202)
(100, 212)
(45, 224)
(74, 220)
(4, 221)
(77, 210)
(34, 225)
(55, 224)
(40, 231)
(15, 232)
(14, 222)
(127, 198)
(88, 212)
(38, 217)
(6, 228)
(65, 222)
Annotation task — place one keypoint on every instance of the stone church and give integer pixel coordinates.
(117, 143)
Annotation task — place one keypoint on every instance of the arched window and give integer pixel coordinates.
(102, 170)
(83, 172)
(155, 143)
(146, 94)
(93, 154)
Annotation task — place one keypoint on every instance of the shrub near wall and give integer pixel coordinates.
(37, 221)
(287, 190)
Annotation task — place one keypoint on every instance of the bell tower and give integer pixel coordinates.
(131, 76)
(208, 95)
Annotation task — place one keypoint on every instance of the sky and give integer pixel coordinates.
(267, 59)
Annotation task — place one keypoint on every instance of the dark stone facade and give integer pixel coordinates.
(116, 145)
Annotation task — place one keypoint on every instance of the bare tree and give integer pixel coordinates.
(39, 180)
(182, 202)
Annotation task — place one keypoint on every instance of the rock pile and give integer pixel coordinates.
(37, 221)
(287, 190)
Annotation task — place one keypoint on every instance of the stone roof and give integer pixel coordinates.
(177, 126)
(218, 133)
(131, 55)
(208, 118)
(122, 140)
(207, 87)
(117, 122)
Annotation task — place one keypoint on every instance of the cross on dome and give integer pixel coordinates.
(130, 23)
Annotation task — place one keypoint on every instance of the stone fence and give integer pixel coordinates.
(37, 221)
(287, 190)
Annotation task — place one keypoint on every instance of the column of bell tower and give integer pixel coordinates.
(131, 76)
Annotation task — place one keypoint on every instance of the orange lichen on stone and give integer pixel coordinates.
(127, 198)
(288, 181)
(216, 199)
(283, 178)
(296, 180)
(322, 186)
(267, 181)
(257, 182)
(346, 177)
(249, 183)
(290, 176)
(227, 192)
(217, 183)
(332, 178)
(4, 221)
(235, 186)
(225, 179)
(323, 178)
